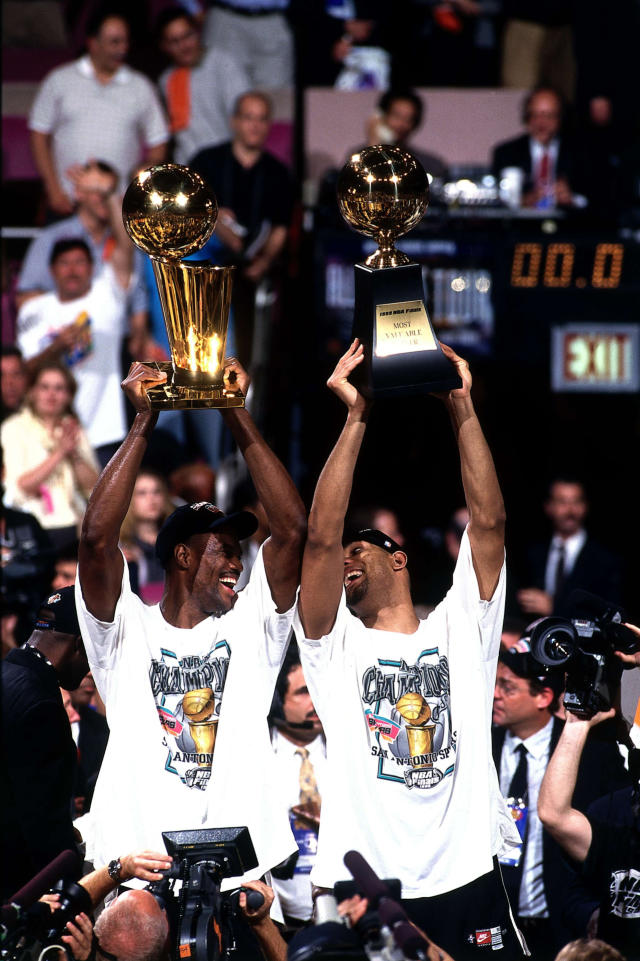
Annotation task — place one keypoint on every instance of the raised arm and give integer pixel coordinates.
(570, 828)
(99, 559)
(322, 565)
(480, 481)
(283, 505)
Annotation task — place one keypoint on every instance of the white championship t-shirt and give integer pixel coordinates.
(410, 781)
(95, 364)
(177, 760)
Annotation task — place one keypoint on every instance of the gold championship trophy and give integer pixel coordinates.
(417, 713)
(198, 707)
(169, 212)
(383, 192)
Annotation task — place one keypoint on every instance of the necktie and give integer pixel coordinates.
(519, 787)
(309, 793)
(559, 577)
(543, 169)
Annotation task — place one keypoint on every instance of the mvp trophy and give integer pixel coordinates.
(383, 192)
(169, 213)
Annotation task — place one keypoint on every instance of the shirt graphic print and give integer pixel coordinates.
(188, 696)
(407, 709)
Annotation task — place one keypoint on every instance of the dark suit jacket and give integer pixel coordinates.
(38, 763)
(601, 770)
(92, 743)
(596, 570)
(517, 153)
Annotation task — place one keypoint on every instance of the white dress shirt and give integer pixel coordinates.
(532, 901)
(572, 547)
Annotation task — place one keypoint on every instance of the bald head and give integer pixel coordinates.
(134, 928)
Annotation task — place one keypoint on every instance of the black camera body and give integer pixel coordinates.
(27, 931)
(200, 916)
(584, 646)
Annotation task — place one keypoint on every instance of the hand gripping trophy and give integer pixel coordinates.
(383, 192)
(169, 212)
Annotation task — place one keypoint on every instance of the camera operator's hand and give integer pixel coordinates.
(146, 865)
(257, 915)
(633, 660)
(590, 721)
(79, 937)
(353, 909)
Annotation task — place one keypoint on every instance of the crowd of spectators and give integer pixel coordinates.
(84, 305)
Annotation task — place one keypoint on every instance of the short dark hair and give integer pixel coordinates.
(105, 12)
(565, 478)
(66, 244)
(169, 15)
(537, 687)
(10, 350)
(390, 96)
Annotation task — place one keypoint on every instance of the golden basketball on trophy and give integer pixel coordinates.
(169, 212)
(383, 191)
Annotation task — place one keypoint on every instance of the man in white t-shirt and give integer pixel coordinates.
(406, 704)
(176, 758)
(82, 322)
(96, 106)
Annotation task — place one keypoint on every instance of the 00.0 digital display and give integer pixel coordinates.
(554, 266)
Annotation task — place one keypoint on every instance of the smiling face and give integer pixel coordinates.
(367, 572)
(216, 568)
(109, 48)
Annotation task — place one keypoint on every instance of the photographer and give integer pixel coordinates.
(605, 840)
(139, 923)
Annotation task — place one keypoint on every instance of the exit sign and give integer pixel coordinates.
(592, 357)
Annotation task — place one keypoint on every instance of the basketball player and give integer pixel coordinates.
(162, 671)
(406, 704)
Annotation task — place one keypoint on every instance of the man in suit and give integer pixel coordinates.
(570, 560)
(37, 751)
(542, 153)
(524, 739)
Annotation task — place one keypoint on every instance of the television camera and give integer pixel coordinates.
(584, 647)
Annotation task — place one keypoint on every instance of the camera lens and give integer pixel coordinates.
(553, 641)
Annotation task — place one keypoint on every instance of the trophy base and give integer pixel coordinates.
(404, 357)
(170, 396)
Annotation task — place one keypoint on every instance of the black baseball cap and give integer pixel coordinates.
(200, 518)
(520, 660)
(373, 536)
(58, 613)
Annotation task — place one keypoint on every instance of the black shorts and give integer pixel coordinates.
(470, 922)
